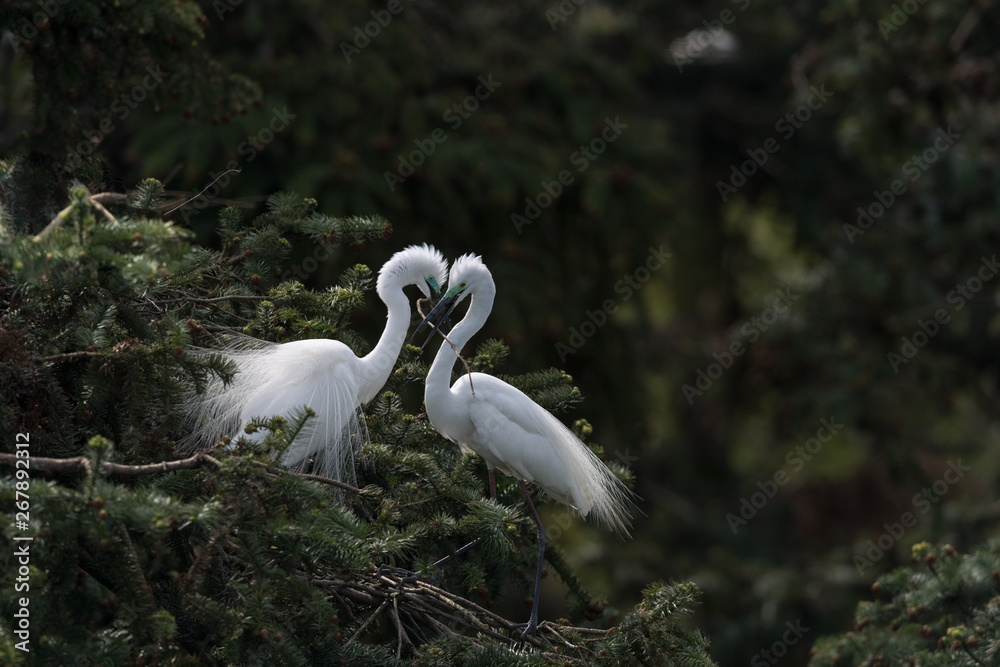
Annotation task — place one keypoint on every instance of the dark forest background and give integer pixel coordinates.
(770, 265)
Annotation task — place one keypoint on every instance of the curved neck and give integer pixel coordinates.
(439, 376)
(377, 364)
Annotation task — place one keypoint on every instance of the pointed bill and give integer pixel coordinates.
(440, 315)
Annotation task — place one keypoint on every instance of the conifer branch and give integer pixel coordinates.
(81, 465)
(138, 585)
(69, 356)
(95, 201)
(109, 198)
(217, 299)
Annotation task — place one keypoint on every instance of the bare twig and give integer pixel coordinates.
(94, 200)
(457, 354)
(228, 171)
(106, 212)
(385, 603)
(315, 478)
(555, 632)
(965, 27)
(183, 196)
(109, 198)
(441, 612)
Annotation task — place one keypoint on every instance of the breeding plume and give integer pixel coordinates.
(325, 375)
(509, 430)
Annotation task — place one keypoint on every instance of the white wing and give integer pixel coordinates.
(281, 379)
(519, 437)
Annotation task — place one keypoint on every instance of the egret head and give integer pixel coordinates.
(432, 283)
(420, 265)
(468, 276)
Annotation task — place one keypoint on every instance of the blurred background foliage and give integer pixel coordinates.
(848, 92)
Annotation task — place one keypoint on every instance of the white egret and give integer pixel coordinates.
(510, 431)
(279, 379)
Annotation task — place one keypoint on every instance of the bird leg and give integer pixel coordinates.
(409, 576)
(531, 627)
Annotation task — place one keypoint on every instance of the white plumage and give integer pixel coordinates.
(509, 430)
(280, 379)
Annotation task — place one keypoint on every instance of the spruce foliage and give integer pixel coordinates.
(143, 556)
(942, 609)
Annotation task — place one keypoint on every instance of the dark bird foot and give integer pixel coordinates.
(404, 576)
(530, 628)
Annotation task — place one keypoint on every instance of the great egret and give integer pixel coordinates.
(510, 431)
(279, 379)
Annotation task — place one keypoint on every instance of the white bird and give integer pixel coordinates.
(281, 379)
(510, 431)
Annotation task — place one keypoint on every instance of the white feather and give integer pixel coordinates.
(280, 379)
(509, 430)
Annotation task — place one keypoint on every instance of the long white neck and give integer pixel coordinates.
(439, 377)
(377, 364)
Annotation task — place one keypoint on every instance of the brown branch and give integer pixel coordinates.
(232, 297)
(109, 198)
(316, 478)
(100, 207)
(69, 356)
(436, 609)
(81, 465)
(965, 27)
(195, 576)
(93, 200)
(385, 603)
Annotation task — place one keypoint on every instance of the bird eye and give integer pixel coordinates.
(462, 284)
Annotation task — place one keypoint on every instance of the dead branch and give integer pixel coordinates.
(444, 613)
(94, 200)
